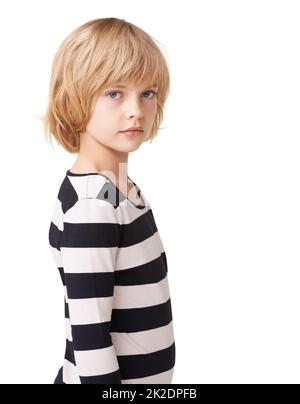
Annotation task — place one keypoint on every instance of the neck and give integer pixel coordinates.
(96, 157)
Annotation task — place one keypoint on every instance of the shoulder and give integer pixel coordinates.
(75, 190)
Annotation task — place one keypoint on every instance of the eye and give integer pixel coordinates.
(150, 91)
(119, 92)
(113, 92)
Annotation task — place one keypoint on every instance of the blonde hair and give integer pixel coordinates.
(94, 55)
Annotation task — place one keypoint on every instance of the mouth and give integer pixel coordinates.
(132, 132)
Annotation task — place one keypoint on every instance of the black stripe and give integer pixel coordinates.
(109, 378)
(138, 230)
(68, 172)
(88, 285)
(108, 234)
(91, 336)
(90, 235)
(54, 236)
(164, 256)
(62, 275)
(69, 352)
(141, 319)
(151, 272)
(67, 195)
(137, 366)
(59, 377)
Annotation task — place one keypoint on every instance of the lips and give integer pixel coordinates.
(132, 132)
(131, 128)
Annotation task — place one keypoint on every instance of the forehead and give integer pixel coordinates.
(132, 85)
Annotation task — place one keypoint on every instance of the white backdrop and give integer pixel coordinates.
(222, 178)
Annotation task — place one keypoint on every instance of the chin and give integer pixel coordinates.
(125, 147)
(129, 147)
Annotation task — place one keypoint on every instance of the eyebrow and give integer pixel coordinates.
(123, 86)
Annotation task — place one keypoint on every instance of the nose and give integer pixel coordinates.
(134, 108)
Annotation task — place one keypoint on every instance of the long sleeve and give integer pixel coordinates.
(88, 247)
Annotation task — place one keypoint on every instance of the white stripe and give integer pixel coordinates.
(140, 253)
(90, 311)
(136, 296)
(57, 256)
(94, 184)
(70, 373)
(68, 329)
(89, 259)
(96, 361)
(100, 211)
(160, 378)
(87, 186)
(143, 342)
(91, 211)
(127, 213)
(58, 213)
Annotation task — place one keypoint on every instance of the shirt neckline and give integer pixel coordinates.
(140, 206)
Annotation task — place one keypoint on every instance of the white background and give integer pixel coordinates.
(222, 178)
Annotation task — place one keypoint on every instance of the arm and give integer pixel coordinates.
(88, 248)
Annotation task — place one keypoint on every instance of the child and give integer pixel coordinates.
(107, 76)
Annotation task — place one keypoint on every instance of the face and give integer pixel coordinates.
(119, 107)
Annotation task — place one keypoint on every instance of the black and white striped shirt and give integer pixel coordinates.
(112, 263)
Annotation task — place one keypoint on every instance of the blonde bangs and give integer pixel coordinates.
(95, 55)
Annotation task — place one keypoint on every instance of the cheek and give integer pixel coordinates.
(151, 110)
(101, 119)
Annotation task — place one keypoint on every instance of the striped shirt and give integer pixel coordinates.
(113, 267)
